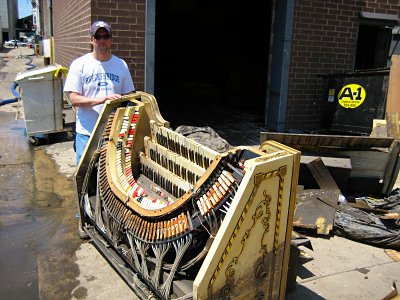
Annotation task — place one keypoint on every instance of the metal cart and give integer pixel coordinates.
(43, 103)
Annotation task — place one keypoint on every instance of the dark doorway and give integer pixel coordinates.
(211, 63)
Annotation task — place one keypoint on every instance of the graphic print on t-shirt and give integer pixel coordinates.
(102, 80)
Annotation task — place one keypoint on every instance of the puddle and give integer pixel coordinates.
(37, 221)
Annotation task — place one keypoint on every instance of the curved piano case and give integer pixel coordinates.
(186, 220)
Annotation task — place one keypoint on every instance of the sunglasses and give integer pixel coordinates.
(98, 37)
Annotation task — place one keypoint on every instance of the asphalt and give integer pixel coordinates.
(41, 256)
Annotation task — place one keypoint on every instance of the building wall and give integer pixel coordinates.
(1, 35)
(37, 19)
(9, 16)
(72, 20)
(4, 14)
(324, 42)
(12, 18)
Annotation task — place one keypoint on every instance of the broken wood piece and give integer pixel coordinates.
(379, 212)
(393, 254)
(331, 193)
(391, 168)
(379, 128)
(315, 141)
(390, 216)
(313, 216)
(369, 157)
(322, 176)
(343, 208)
(365, 207)
(339, 168)
(370, 163)
(393, 295)
(393, 91)
(392, 125)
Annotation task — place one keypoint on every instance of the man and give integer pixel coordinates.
(92, 79)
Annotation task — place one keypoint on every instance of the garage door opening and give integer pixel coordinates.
(211, 63)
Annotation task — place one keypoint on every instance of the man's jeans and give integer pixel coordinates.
(80, 144)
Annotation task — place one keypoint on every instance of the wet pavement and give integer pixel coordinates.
(37, 220)
(41, 254)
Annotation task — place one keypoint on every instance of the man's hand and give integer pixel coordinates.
(111, 97)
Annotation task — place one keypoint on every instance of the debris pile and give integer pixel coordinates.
(345, 187)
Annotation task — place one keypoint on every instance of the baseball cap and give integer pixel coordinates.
(100, 24)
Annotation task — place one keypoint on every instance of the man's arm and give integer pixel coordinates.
(78, 100)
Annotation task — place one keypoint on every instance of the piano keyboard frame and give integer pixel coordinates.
(226, 234)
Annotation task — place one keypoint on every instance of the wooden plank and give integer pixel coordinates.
(312, 215)
(340, 169)
(322, 175)
(369, 157)
(367, 163)
(394, 177)
(337, 162)
(346, 209)
(393, 254)
(326, 182)
(379, 128)
(392, 168)
(392, 125)
(305, 140)
(392, 100)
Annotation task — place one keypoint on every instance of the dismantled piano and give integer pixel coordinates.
(179, 220)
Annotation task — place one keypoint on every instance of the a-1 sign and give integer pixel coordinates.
(351, 95)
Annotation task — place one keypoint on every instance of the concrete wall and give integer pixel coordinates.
(9, 16)
(72, 20)
(4, 14)
(324, 41)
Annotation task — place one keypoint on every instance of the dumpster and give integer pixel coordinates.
(353, 100)
(42, 98)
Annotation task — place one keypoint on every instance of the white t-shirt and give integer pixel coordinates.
(94, 79)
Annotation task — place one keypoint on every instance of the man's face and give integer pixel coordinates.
(101, 41)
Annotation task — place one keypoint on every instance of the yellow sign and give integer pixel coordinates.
(351, 95)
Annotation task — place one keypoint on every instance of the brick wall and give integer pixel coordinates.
(72, 20)
(324, 42)
(71, 23)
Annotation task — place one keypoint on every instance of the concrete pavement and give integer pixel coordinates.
(337, 268)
